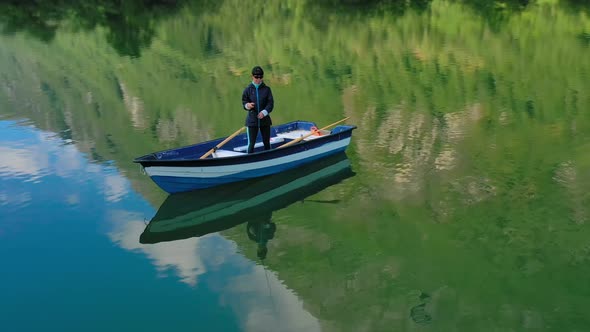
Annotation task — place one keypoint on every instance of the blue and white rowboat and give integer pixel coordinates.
(182, 169)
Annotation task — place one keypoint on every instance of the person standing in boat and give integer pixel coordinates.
(257, 100)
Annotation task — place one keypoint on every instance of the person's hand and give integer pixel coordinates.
(260, 115)
(250, 106)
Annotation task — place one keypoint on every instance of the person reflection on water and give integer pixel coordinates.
(257, 100)
(260, 231)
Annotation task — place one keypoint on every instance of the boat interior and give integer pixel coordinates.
(238, 145)
(278, 136)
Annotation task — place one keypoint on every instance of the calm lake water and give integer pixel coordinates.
(462, 203)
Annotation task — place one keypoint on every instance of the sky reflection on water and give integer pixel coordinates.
(69, 232)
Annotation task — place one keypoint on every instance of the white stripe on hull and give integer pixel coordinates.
(218, 171)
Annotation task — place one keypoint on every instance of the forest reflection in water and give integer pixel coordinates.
(131, 24)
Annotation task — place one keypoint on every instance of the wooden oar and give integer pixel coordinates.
(222, 143)
(299, 139)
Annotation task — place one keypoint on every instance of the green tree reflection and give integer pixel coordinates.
(398, 7)
(130, 24)
(497, 12)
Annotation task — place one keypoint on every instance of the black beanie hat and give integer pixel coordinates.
(257, 71)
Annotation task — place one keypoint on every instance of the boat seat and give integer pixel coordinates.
(273, 140)
(226, 153)
(295, 134)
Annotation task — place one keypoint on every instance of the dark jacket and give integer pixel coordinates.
(263, 101)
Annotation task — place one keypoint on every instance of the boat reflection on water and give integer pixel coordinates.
(201, 212)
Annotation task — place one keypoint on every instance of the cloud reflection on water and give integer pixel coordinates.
(21, 163)
(181, 256)
(256, 295)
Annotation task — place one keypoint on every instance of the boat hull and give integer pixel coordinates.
(180, 174)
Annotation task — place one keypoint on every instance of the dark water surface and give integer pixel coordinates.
(463, 202)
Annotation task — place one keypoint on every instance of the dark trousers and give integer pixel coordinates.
(253, 132)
